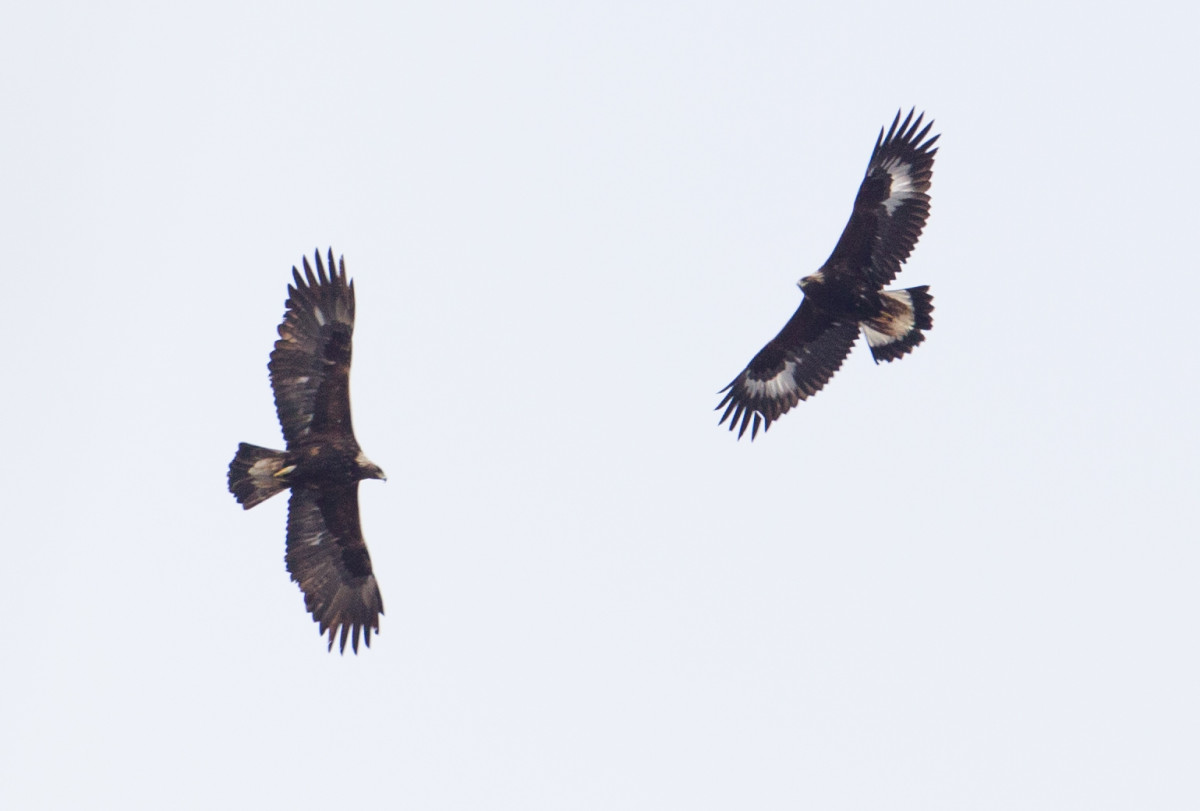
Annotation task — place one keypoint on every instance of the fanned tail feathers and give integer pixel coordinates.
(899, 328)
(252, 474)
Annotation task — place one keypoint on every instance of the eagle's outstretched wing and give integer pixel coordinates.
(327, 556)
(310, 365)
(892, 204)
(793, 366)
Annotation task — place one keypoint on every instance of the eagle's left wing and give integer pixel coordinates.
(793, 366)
(892, 204)
(310, 365)
(328, 558)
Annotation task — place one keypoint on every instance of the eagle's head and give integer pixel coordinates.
(811, 281)
(368, 469)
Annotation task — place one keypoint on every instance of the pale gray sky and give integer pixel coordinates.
(963, 580)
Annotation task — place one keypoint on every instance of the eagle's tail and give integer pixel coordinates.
(252, 474)
(899, 328)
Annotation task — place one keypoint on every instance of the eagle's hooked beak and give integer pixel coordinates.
(811, 280)
(369, 469)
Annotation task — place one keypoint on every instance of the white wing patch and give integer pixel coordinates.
(777, 387)
(320, 316)
(902, 184)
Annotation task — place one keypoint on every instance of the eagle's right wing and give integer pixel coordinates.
(328, 558)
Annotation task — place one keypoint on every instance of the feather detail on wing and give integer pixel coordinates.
(892, 204)
(310, 365)
(793, 366)
(328, 558)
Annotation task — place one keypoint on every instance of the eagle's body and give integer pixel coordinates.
(846, 295)
(323, 464)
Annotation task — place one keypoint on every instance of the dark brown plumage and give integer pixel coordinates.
(310, 373)
(846, 295)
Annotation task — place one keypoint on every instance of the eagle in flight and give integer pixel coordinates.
(310, 374)
(846, 295)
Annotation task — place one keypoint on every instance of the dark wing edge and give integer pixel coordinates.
(327, 557)
(892, 204)
(310, 364)
(793, 366)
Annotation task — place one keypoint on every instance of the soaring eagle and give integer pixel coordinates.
(310, 373)
(846, 295)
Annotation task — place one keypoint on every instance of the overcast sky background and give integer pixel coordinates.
(963, 580)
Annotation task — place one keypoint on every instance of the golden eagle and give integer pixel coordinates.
(846, 295)
(310, 373)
